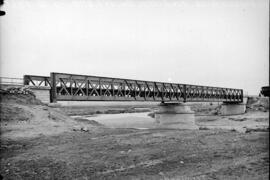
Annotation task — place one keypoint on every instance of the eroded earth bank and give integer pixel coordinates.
(41, 142)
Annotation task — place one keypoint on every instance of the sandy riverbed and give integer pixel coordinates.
(39, 142)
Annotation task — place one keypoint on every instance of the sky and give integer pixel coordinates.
(223, 43)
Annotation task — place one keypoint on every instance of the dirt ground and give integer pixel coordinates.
(40, 142)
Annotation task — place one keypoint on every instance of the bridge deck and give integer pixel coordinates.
(71, 87)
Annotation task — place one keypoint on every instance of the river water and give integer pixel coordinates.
(143, 121)
(124, 120)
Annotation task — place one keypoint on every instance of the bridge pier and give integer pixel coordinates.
(176, 116)
(232, 109)
(228, 109)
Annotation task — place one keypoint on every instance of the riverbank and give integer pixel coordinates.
(138, 154)
(40, 142)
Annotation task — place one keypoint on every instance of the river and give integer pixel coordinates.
(123, 120)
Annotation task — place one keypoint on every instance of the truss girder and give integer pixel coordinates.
(94, 88)
(33, 80)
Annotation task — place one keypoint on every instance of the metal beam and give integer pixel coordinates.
(95, 88)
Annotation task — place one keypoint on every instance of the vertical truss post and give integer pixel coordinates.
(112, 88)
(25, 80)
(100, 90)
(53, 88)
(242, 95)
(87, 87)
(185, 93)
(71, 84)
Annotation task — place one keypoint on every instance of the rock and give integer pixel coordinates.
(129, 151)
(181, 162)
(203, 128)
(242, 130)
(152, 114)
(248, 130)
(161, 173)
(85, 129)
(122, 152)
(76, 128)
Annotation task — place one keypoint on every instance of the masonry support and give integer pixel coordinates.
(232, 109)
(228, 109)
(41, 93)
(175, 116)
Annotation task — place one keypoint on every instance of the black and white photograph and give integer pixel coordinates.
(134, 89)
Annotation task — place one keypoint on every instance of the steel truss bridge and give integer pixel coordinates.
(72, 87)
